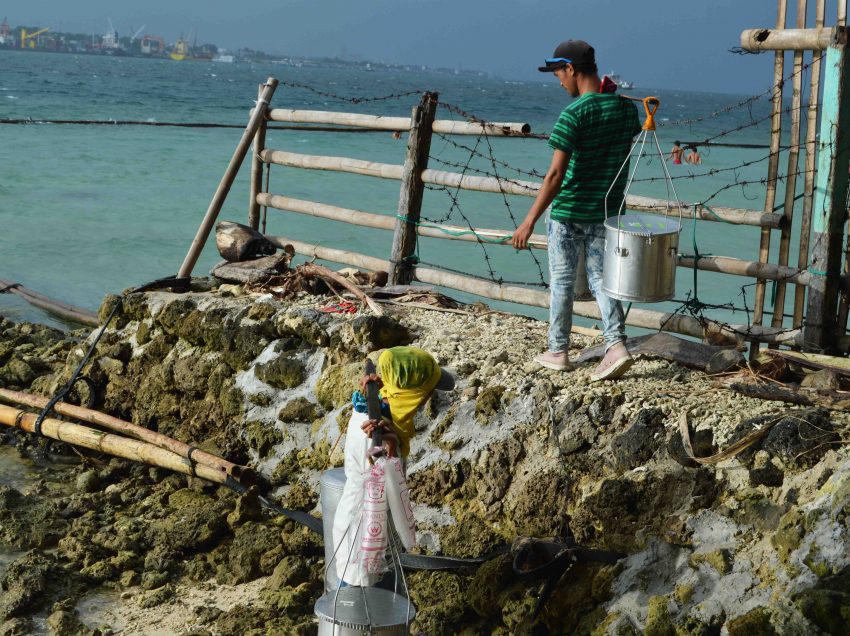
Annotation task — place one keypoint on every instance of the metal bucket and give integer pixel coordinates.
(330, 492)
(640, 257)
(356, 611)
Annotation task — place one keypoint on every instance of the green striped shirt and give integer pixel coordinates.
(596, 130)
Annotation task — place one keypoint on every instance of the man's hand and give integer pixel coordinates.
(389, 437)
(520, 237)
(369, 426)
(374, 377)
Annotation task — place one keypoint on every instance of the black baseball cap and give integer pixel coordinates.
(569, 52)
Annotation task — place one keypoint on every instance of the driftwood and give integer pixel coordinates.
(237, 242)
(827, 398)
(693, 355)
(734, 449)
(839, 366)
(242, 474)
(329, 276)
(252, 272)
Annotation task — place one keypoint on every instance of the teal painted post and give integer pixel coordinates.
(820, 331)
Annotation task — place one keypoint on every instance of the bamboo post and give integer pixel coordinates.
(412, 189)
(791, 172)
(830, 211)
(809, 167)
(772, 168)
(257, 164)
(108, 443)
(257, 118)
(243, 474)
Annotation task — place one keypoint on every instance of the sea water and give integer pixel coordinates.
(88, 210)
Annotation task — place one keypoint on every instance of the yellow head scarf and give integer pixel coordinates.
(409, 375)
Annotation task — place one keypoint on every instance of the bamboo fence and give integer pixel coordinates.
(817, 320)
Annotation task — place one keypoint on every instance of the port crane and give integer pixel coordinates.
(27, 37)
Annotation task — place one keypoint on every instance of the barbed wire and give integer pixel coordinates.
(350, 100)
(774, 90)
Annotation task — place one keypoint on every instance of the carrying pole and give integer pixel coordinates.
(412, 190)
(830, 213)
(257, 119)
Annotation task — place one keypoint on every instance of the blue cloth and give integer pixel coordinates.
(565, 241)
(358, 401)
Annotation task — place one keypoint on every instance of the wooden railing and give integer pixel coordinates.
(817, 272)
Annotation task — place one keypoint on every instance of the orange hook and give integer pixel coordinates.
(650, 105)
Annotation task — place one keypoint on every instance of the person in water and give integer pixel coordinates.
(693, 156)
(590, 143)
(676, 153)
(406, 376)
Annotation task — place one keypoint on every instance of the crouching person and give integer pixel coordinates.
(375, 488)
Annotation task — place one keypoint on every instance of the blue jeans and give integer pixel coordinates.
(565, 241)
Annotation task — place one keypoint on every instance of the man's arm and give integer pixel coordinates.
(549, 188)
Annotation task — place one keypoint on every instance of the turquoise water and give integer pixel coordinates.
(87, 210)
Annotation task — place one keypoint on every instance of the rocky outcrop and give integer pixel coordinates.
(758, 542)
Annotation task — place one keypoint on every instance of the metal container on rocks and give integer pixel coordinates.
(332, 483)
(357, 611)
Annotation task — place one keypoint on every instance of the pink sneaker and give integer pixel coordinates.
(557, 360)
(615, 363)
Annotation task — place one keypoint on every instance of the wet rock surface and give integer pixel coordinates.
(759, 543)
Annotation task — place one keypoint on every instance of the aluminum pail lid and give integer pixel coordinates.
(369, 607)
(643, 224)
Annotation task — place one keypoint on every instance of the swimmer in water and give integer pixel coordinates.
(676, 153)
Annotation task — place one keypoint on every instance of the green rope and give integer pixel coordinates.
(707, 207)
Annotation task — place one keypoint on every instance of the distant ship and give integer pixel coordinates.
(180, 51)
(228, 59)
(620, 82)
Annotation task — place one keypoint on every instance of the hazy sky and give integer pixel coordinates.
(655, 43)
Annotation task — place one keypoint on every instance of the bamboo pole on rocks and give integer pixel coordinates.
(772, 167)
(809, 169)
(132, 449)
(242, 474)
(55, 307)
(791, 172)
(257, 119)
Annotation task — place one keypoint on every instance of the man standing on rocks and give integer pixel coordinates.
(591, 141)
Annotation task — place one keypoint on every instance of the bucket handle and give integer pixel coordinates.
(650, 105)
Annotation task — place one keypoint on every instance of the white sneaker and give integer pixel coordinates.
(556, 360)
(615, 363)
